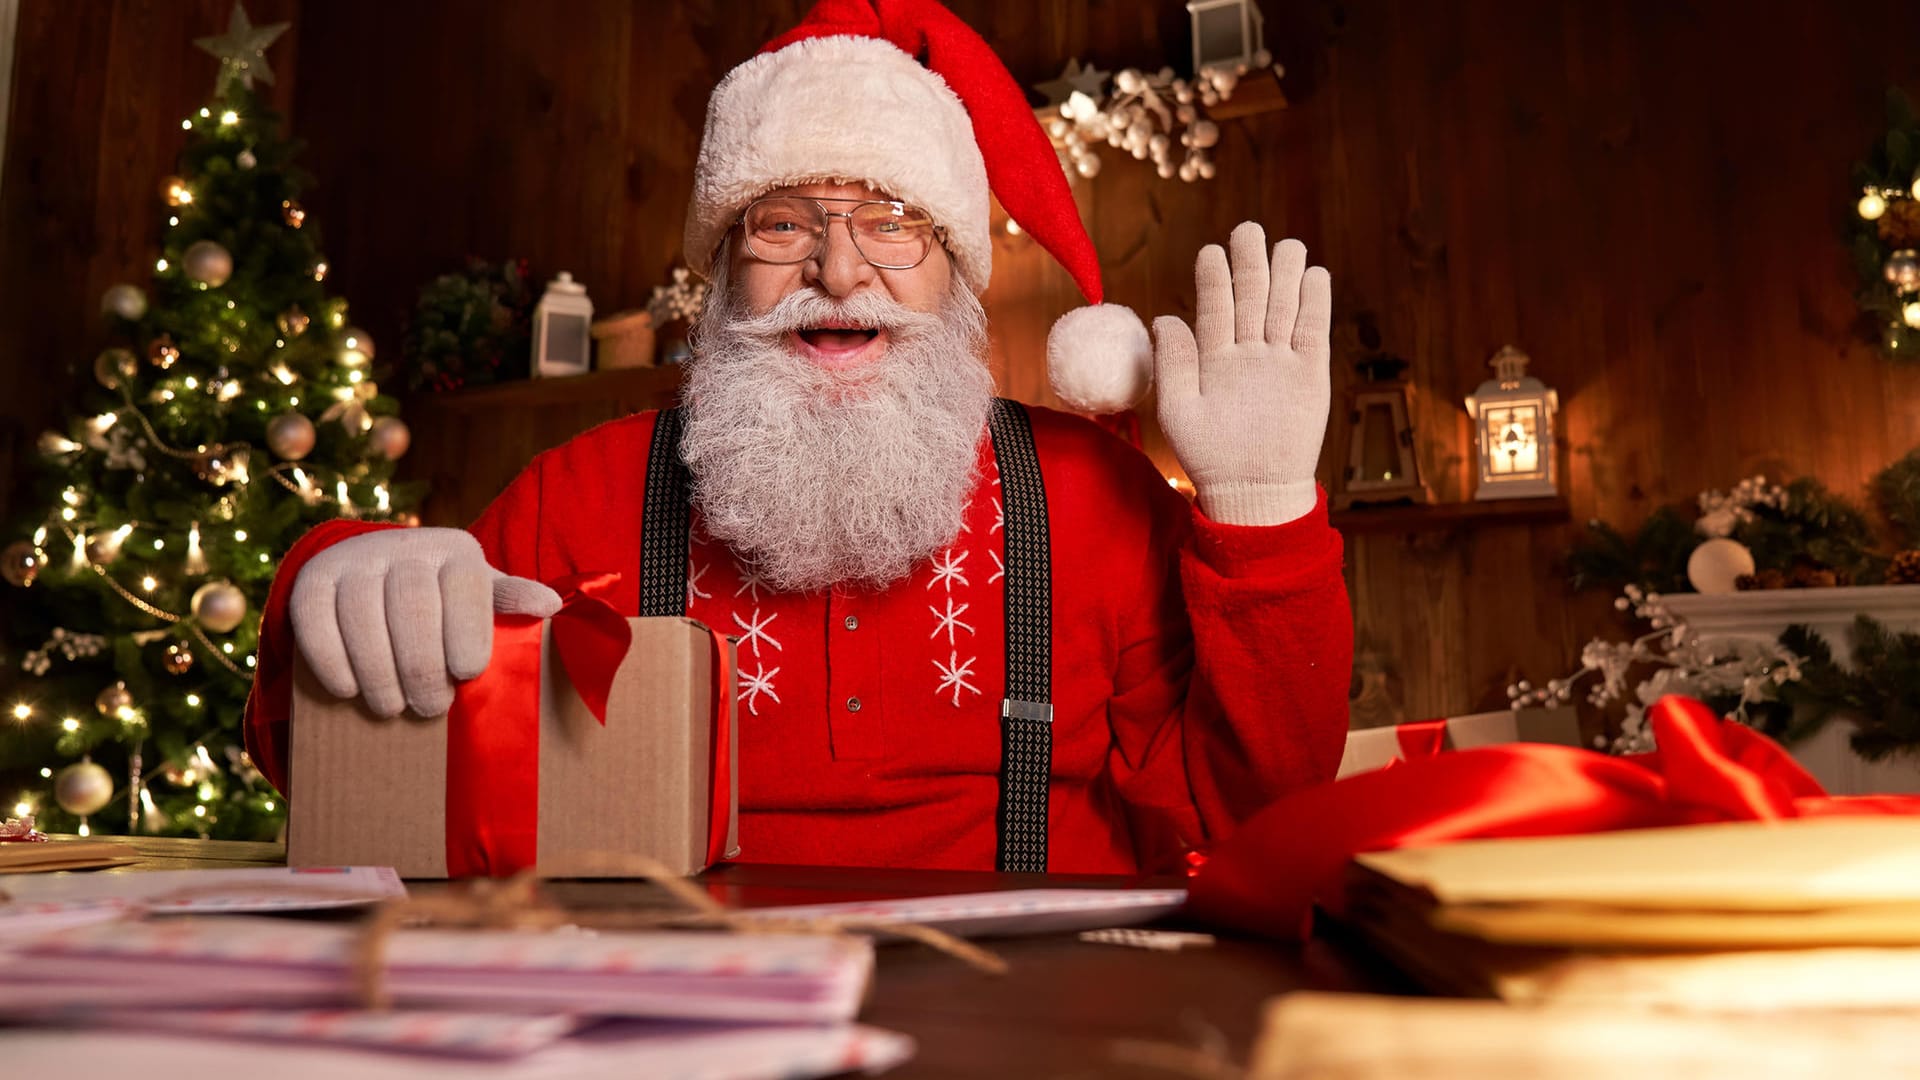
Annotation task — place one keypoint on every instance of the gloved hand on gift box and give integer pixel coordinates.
(397, 617)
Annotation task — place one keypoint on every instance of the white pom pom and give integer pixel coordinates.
(1100, 359)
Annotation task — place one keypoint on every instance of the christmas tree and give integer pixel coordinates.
(237, 408)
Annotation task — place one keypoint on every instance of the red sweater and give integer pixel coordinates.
(1199, 670)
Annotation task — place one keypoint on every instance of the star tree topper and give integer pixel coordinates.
(242, 50)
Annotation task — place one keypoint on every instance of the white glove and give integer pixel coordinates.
(1245, 408)
(396, 616)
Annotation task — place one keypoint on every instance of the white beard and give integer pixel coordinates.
(817, 477)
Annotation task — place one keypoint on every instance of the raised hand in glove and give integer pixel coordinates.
(1243, 395)
(396, 616)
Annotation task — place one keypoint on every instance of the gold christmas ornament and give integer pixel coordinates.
(114, 367)
(292, 322)
(219, 606)
(125, 301)
(291, 436)
(20, 563)
(292, 213)
(356, 347)
(208, 263)
(113, 700)
(161, 352)
(82, 788)
(1900, 225)
(390, 437)
(179, 658)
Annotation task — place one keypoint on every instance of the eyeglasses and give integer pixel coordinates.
(787, 229)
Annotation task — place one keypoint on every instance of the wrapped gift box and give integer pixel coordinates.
(1373, 748)
(524, 773)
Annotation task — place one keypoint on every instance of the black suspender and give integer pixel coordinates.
(1026, 713)
(667, 521)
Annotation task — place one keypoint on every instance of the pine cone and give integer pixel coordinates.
(1746, 582)
(1905, 568)
(1900, 225)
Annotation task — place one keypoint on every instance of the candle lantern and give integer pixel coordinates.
(562, 328)
(1228, 35)
(1381, 465)
(1513, 417)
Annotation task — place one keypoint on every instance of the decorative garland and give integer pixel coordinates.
(1885, 232)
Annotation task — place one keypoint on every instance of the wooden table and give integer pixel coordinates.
(1069, 1009)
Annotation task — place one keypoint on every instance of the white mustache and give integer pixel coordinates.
(809, 308)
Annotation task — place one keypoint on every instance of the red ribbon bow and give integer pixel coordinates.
(493, 730)
(1266, 877)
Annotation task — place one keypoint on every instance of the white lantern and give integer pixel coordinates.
(562, 329)
(1513, 415)
(1228, 35)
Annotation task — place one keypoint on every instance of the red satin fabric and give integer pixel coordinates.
(720, 776)
(1421, 739)
(1265, 878)
(493, 729)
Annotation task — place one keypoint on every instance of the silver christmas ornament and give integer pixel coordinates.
(82, 788)
(1903, 270)
(125, 301)
(208, 263)
(390, 437)
(219, 606)
(356, 347)
(245, 159)
(291, 436)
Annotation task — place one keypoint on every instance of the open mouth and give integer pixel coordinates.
(839, 344)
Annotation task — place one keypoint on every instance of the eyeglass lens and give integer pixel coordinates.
(890, 235)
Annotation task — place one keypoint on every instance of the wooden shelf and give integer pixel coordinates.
(620, 384)
(1429, 516)
(1259, 92)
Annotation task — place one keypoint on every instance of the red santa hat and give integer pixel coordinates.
(845, 96)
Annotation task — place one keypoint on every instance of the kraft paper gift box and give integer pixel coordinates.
(1373, 748)
(523, 773)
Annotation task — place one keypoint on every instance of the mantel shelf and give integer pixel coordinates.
(617, 384)
(1421, 517)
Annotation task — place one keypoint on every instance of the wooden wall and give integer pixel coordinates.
(1645, 196)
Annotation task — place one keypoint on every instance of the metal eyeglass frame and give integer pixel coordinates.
(746, 235)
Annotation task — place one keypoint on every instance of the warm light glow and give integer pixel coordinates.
(344, 393)
(340, 493)
(206, 792)
(193, 701)
(23, 711)
(229, 117)
(251, 661)
(191, 383)
(54, 443)
(1911, 313)
(166, 395)
(205, 112)
(149, 583)
(268, 805)
(227, 648)
(173, 221)
(99, 425)
(319, 271)
(83, 830)
(40, 536)
(23, 808)
(70, 724)
(240, 535)
(159, 545)
(283, 373)
(356, 376)
(72, 497)
(68, 514)
(1513, 440)
(196, 558)
(1872, 206)
(1013, 227)
(380, 498)
(338, 319)
(45, 773)
(186, 125)
(125, 714)
(160, 266)
(200, 811)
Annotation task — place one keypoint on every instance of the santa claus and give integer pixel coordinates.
(972, 633)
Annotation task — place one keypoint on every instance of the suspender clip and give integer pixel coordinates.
(1012, 709)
